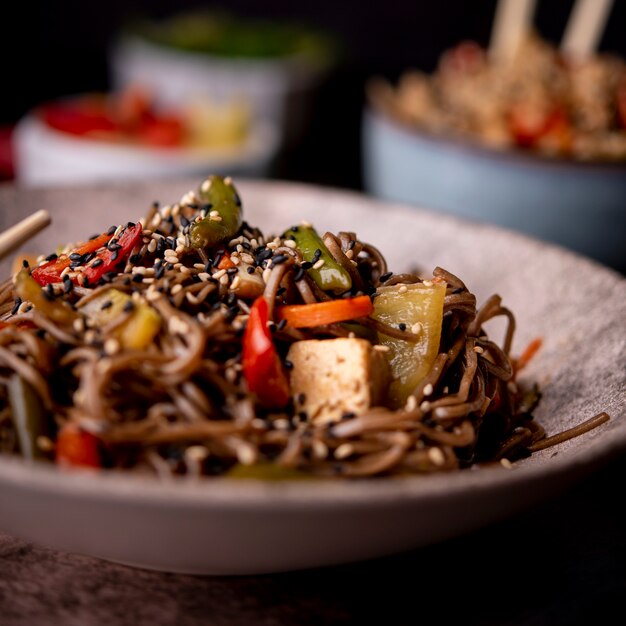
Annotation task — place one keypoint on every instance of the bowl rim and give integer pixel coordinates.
(512, 156)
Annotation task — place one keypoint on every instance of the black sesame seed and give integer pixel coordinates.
(76, 257)
(316, 255)
(306, 265)
(169, 266)
(369, 290)
(184, 222)
(97, 263)
(299, 274)
(106, 305)
(288, 364)
(272, 327)
(351, 244)
(250, 270)
(135, 258)
(68, 286)
(386, 276)
(303, 415)
(159, 271)
(348, 415)
(53, 256)
(280, 291)
(279, 258)
(111, 230)
(281, 324)
(115, 255)
(402, 326)
(126, 281)
(130, 225)
(294, 229)
(301, 399)
(263, 255)
(128, 306)
(231, 271)
(94, 236)
(16, 305)
(137, 278)
(245, 245)
(47, 295)
(41, 333)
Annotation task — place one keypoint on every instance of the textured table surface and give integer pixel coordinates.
(561, 563)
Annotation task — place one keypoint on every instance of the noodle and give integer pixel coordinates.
(180, 404)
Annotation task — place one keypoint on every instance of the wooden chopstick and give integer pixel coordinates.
(585, 28)
(512, 22)
(15, 236)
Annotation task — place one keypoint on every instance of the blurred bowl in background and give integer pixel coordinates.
(275, 69)
(93, 138)
(579, 205)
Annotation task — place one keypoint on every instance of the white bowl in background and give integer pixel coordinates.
(579, 205)
(278, 90)
(46, 156)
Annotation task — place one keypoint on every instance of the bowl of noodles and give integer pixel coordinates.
(254, 377)
(538, 145)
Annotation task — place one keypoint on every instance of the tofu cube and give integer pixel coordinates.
(331, 377)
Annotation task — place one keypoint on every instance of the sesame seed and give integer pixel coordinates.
(402, 289)
(111, 346)
(16, 305)
(318, 264)
(224, 279)
(506, 463)
(44, 443)
(196, 453)
(305, 224)
(478, 349)
(427, 283)
(219, 274)
(344, 451)
(320, 449)
(152, 246)
(386, 276)
(425, 406)
(236, 282)
(107, 304)
(79, 325)
(411, 403)
(402, 326)
(381, 348)
(176, 289)
(185, 270)
(436, 456)
(290, 243)
(215, 218)
(281, 424)
(428, 390)
(416, 329)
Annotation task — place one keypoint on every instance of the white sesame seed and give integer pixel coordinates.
(139, 270)
(180, 248)
(258, 423)
(403, 289)
(427, 283)
(196, 453)
(152, 295)
(78, 324)
(411, 403)
(152, 245)
(428, 390)
(349, 254)
(90, 336)
(344, 451)
(236, 282)
(272, 245)
(65, 271)
(436, 456)
(230, 374)
(425, 406)
(44, 443)
(224, 280)
(247, 258)
(214, 214)
(290, 243)
(478, 349)
(198, 266)
(506, 463)
(215, 218)
(511, 386)
(156, 220)
(185, 270)
(446, 389)
(203, 276)
(416, 329)
(219, 274)
(381, 348)
(176, 289)
(235, 259)
(191, 298)
(306, 224)
(318, 264)
(320, 449)
(22, 308)
(112, 346)
(281, 424)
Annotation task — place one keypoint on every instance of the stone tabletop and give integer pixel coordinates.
(561, 563)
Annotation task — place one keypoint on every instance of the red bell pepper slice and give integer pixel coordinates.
(528, 127)
(51, 271)
(262, 368)
(79, 118)
(127, 240)
(77, 448)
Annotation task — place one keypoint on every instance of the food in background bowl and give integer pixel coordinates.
(128, 136)
(540, 101)
(273, 67)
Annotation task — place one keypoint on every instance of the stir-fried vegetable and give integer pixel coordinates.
(266, 471)
(29, 417)
(324, 270)
(77, 448)
(309, 315)
(141, 325)
(418, 311)
(224, 213)
(262, 368)
(28, 289)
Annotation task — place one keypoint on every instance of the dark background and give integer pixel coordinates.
(54, 48)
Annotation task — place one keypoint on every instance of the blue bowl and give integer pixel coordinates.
(579, 205)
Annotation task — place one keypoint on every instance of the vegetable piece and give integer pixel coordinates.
(266, 471)
(85, 117)
(28, 415)
(77, 448)
(262, 368)
(330, 276)
(27, 288)
(220, 195)
(410, 360)
(531, 126)
(138, 331)
(51, 271)
(127, 240)
(330, 312)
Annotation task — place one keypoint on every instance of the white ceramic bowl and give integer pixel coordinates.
(278, 90)
(226, 527)
(578, 205)
(46, 156)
